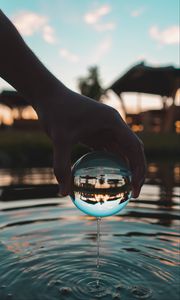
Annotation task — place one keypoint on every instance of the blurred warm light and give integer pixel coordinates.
(177, 173)
(177, 126)
(29, 113)
(137, 102)
(15, 113)
(152, 168)
(129, 120)
(137, 128)
(5, 115)
(177, 97)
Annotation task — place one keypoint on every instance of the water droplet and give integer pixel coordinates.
(65, 290)
(101, 184)
(141, 292)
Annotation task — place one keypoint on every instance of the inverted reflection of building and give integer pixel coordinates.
(93, 198)
(101, 198)
(85, 196)
(87, 181)
(125, 196)
(89, 201)
(116, 182)
(102, 179)
(102, 183)
(110, 191)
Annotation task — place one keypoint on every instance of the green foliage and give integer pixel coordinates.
(29, 149)
(161, 145)
(33, 149)
(90, 85)
(24, 148)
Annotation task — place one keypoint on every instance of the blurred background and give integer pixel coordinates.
(123, 53)
(126, 54)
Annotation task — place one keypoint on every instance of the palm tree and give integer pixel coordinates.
(90, 85)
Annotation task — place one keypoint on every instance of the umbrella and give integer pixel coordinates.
(163, 81)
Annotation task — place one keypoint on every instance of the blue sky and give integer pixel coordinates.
(71, 35)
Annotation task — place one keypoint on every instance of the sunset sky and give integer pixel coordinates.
(71, 35)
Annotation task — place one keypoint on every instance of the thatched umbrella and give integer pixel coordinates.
(163, 81)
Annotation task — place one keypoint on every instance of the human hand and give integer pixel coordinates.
(71, 118)
(68, 117)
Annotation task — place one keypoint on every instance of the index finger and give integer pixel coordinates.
(138, 168)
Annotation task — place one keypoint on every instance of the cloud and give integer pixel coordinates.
(168, 36)
(95, 16)
(95, 19)
(137, 12)
(29, 23)
(102, 49)
(69, 56)
(48, 34)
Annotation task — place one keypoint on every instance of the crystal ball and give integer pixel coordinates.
(101, 184)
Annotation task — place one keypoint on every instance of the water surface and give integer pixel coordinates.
(48, 248)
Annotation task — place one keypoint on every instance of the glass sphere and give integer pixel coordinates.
(101, 184)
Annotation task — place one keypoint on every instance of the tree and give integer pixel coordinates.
(90, 85)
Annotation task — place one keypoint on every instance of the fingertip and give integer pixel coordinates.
(63, 176)
(63, 191)
(135, 192)
(57, 174)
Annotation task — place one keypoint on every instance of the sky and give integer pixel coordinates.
(71, 35)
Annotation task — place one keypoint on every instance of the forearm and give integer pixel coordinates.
(21, 68)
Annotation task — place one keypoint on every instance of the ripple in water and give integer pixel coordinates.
(49, 252)
(50, 261)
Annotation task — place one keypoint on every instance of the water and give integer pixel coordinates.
(97, 285)
(48, 248)
(98, 250)
(101, 184)
(98, 242)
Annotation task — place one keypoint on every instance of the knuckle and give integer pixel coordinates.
(139, 144)
(114, 114)
(112, 117)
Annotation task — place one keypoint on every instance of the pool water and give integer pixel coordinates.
(48, 247)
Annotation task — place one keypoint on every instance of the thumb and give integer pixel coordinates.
(62, 166)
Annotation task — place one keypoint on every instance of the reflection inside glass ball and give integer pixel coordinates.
(101, 184)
